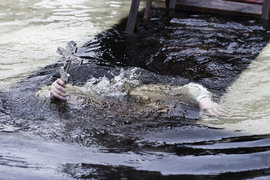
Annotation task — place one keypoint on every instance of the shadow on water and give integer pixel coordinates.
(203, 48)
(210, 50)
(108, 172)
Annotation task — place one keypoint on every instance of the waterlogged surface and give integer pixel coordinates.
(103, 133)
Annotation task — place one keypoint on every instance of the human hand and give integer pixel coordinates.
(58, 90)
(208, 107)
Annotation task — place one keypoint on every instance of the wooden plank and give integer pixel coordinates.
(248, 1)
(147, 9)
(132, 18)
(220, 7)
(266, 10)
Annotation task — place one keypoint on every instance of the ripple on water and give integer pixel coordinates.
(36, 28)
(124, 135)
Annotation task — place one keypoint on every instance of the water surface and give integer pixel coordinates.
(31, 30)
(111, 135)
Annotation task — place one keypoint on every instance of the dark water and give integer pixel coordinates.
(123, 139)
(206, 49)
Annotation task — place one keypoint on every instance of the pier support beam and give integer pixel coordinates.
(208, 6)
(172, 4)
(132, 18)
(266, 10)
(147, 9)
(133, 14)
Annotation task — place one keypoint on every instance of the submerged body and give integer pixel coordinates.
(128, 84)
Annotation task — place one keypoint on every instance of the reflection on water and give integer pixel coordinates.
(111, 137)
(248, 99)
(31, 30)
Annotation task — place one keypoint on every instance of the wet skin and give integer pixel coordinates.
(207, 106)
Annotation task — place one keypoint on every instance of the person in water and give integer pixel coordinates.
(193, 91)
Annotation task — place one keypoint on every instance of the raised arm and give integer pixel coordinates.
(58, 90)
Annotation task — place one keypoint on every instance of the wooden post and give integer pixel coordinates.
(147, 9)
(266, 10)
(132, 18)
(172, 4)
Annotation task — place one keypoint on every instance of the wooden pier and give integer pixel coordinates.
(259, 9)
